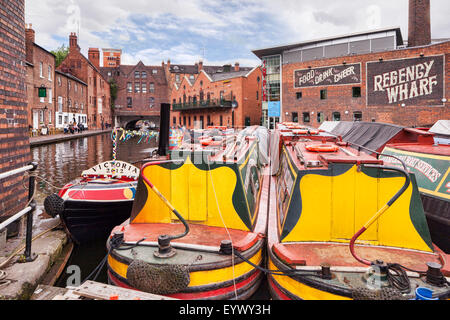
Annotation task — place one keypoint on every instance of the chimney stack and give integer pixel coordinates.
(29, 33)
(236, 66)
(94, 57)
(73, 41)
(200, 66)
(419, 29)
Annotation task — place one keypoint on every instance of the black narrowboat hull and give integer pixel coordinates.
(437, 212)
(87, 221)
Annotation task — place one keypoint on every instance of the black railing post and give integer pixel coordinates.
(29, 256)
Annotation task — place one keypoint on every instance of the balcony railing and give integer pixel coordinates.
(214, 103)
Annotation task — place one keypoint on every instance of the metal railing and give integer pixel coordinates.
(213, 103)
(28, 210)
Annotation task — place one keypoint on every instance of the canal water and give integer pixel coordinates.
(62, 162)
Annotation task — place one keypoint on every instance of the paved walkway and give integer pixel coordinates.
(36, 141)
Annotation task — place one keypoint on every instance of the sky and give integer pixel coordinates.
(215, 31)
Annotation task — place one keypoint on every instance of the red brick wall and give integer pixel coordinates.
(243, 89)
(37, 55)
(340, 97)
(14, 141)
(98, 87)
(143, 104)
(78, 97)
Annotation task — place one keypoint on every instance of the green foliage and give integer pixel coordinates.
(61, 54)
(113, 91)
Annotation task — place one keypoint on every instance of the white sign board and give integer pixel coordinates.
(122, 169)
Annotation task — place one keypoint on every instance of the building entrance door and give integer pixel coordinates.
(35, 119)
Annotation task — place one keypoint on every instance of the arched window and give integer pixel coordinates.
(336, 116)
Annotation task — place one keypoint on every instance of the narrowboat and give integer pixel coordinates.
(344, 224)
(93, 204)
(195, 208)
(426, 152)
(429, 160)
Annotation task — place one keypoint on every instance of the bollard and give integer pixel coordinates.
(29, 256)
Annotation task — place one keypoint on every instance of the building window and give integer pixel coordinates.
(41, 67)
(356, 92)
(221, 120)
(320, 117)
(201, 83)
(177, 78)
(137, 74)
(137, 87)
(191, 77)
(144, 75)
(129, 87)
(129, 102)
(154, 71)
(59, 81)
(323, 94)
(306, 117)
(174, 120)
(189, 120)
(208, 120)
(357, 116)
(152, 101)
(184, 121)
(257, 95)
(50, 73)
(336, 116)
(60, 104)
(144, 88)
(151, 88)
(76, 87)
(299, 95)
(50, 97)
(68, 84)
(49, 116)
(109, 73)
(294, 117)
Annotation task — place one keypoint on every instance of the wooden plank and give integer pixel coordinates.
(58, 267)
(44, 292)
(101, 291)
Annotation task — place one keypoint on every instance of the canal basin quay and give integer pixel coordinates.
(59, 162)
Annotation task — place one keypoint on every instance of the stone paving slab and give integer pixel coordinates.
(22, 278)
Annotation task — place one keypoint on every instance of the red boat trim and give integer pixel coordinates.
(275, 291)
(219, 293)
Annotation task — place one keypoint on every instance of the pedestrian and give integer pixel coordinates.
(103, 126)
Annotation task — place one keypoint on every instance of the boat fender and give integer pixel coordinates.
(158, 279)
(54, 205)
(386, 293)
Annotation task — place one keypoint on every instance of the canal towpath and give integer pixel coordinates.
(55, 138)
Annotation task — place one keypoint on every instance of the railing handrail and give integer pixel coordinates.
(28, 210)
(10, 173)
(15, 217)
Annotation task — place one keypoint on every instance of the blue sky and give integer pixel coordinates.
(216, 31)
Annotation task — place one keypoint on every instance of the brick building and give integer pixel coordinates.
(40, 65)
(140, 91)
(14, 141)
(224, 96)
(70, 100)
(98, 90)
(366, 76)
(112, 57)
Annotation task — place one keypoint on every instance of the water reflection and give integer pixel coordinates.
(62, 162)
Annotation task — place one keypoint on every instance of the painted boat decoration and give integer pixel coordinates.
(426, 153)
(190, 214)
(430, 163)
(91, 205)
(345, 225)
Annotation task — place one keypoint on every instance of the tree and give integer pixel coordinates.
(61, 54)
(113, 91)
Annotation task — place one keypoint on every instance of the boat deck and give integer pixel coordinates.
(335, 254)
(200, 235)
(440, 150)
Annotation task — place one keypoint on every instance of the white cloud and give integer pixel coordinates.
(160, 29)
